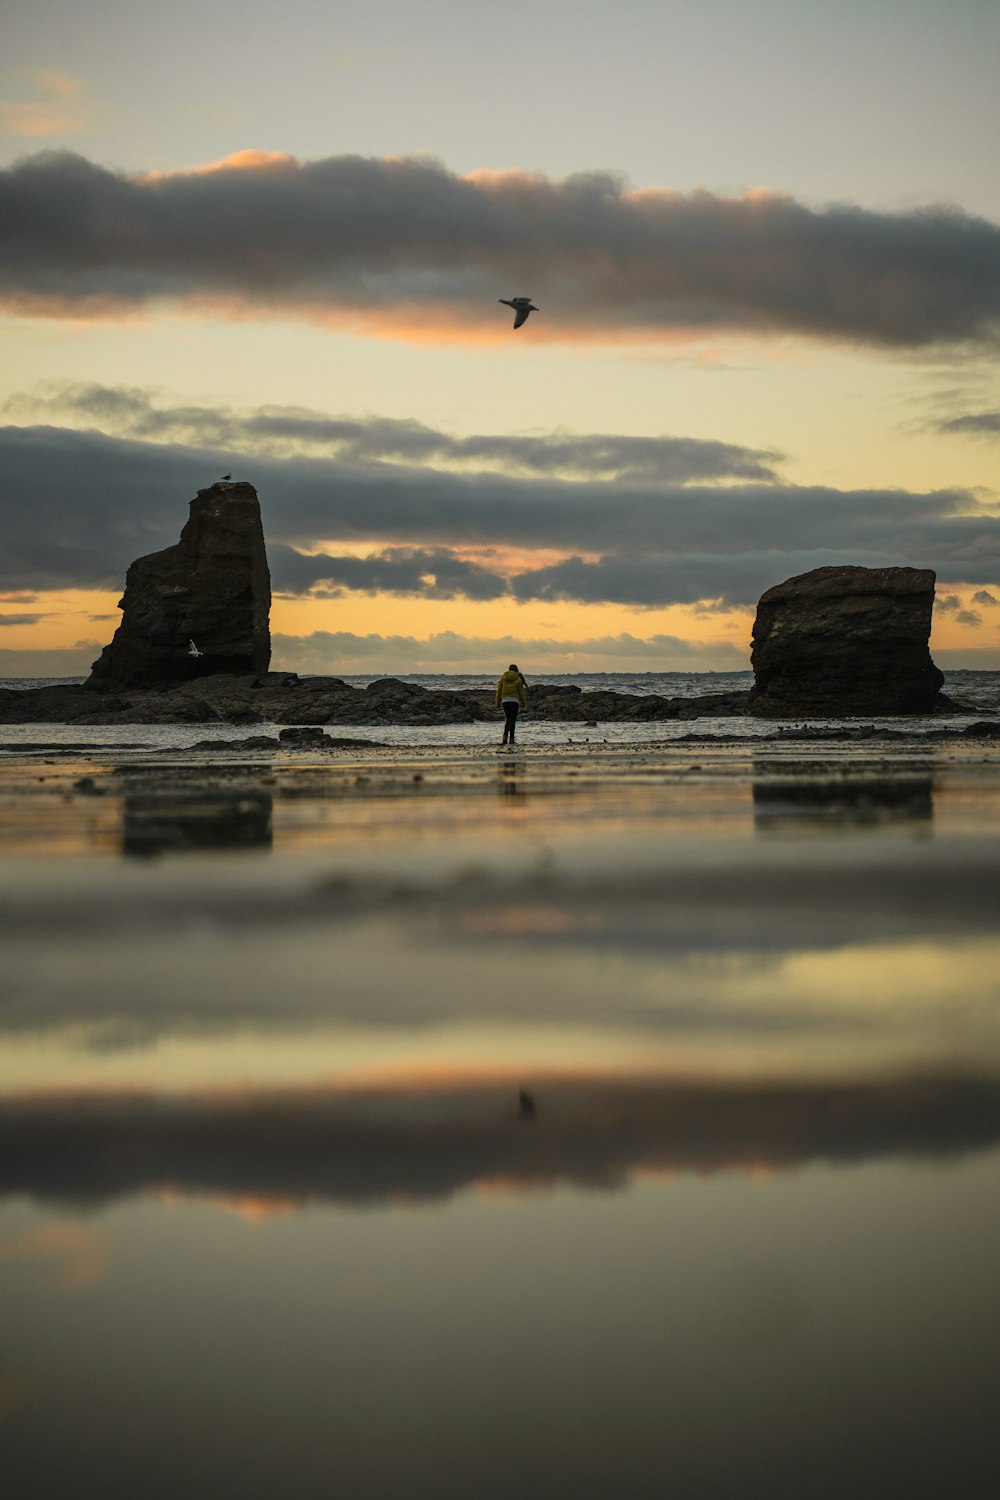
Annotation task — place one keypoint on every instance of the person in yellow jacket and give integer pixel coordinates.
(511, 697)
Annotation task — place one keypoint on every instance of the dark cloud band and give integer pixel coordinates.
(984, 424)
(369, 1147)
(396, 239)
(128, 411)
(77, 507)
(432, 573)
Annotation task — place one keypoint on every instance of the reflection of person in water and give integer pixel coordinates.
(507, 780)
(511, 697)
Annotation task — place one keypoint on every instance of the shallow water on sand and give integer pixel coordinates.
(582, 1122)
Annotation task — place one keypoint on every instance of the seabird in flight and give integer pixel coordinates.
(522, 307)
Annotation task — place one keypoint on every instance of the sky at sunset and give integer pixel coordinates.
(763, 236)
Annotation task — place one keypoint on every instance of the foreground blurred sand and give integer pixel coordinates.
(272, 1209)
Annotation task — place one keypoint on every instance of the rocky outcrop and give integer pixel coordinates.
(311, 702)
(842, 642)
(289, 739)
(199, 607)
(284, 698)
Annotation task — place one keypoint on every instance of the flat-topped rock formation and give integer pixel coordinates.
(197, 608)
(845, 641)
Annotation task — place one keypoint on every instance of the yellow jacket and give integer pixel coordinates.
(511, 685)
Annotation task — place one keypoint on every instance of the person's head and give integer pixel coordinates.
(513, 667)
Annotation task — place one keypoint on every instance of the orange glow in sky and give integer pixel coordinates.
(77, 618)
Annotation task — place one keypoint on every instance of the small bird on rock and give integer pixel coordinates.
(522, 307)
(224, 478)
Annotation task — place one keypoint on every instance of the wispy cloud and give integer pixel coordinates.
(62, 110)
(401, 246)
(982, 424)
(48, 663)
(61, 85)
(131, 411)
(446, 651)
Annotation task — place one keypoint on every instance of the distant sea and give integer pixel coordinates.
(980, 690)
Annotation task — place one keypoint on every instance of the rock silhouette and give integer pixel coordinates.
(199, 607)
(194, 645)
(844, 641)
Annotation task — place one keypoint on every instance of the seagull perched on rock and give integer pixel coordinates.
(522, 307)
(224, 478)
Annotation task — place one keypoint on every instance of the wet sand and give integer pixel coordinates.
(272, 1205)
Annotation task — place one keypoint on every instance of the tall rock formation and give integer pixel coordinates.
(842, 642)
(200, 606)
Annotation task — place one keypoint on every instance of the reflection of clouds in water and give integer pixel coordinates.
(74, 1255)
(761, 1304)
(515, 976)
(537, 919)
(417, 1143)
(686, 937)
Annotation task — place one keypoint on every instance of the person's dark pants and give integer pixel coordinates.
(509, 720)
